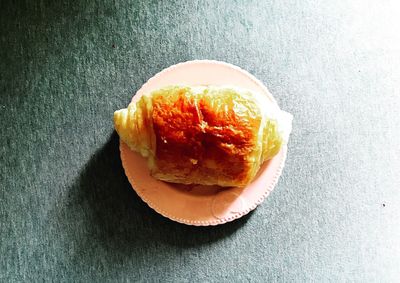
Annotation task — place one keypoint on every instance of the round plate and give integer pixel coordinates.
(195, 204)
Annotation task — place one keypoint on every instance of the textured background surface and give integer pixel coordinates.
(67, 212)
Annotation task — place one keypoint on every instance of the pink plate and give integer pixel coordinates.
(194, 204)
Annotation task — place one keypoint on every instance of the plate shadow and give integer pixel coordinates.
(119, 220)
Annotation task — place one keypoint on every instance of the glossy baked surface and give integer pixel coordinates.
(202, 137)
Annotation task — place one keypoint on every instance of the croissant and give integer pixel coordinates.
(204, 135)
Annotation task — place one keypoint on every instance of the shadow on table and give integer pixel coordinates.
(119, 219)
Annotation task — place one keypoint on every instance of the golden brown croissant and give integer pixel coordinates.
(202, 135)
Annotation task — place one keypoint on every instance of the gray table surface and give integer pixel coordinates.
(68, 213)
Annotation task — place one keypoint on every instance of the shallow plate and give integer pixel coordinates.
(194, 204)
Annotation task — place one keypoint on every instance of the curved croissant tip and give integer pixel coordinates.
(120, 117)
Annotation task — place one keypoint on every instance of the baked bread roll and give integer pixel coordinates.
(204, 134)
